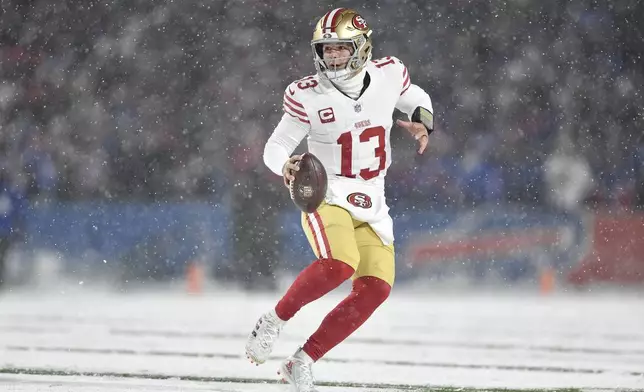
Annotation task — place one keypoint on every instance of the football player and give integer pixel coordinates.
(345, 112)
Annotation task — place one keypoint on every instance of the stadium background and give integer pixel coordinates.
(132, 134)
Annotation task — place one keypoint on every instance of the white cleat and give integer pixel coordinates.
(296, 370)
(260, 341)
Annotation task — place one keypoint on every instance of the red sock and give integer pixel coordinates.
(367, 294)
(322, 276)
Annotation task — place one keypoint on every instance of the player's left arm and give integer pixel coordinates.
(417, 104)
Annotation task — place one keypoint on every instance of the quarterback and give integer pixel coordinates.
(345, 113)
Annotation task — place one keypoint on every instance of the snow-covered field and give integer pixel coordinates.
(160, 341)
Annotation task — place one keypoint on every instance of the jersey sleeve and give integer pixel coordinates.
(288, 134)
(411, 96)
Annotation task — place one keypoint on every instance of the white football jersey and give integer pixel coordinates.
(350, 136)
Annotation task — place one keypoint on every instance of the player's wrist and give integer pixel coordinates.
(425, 118)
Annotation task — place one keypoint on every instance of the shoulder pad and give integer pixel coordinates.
(294, 100)
(394, 67)
(389, 62)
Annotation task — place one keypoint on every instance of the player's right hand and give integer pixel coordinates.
(289, 169)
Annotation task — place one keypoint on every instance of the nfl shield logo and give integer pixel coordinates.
(358, 108)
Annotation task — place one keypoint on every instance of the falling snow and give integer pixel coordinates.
(131, 171)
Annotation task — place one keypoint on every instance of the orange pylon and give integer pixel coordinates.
(194, 277)
(547, 280)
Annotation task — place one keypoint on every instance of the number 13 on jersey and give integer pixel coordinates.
(346, 141)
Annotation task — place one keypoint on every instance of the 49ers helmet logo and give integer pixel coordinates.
(359, 199)
(359, 22)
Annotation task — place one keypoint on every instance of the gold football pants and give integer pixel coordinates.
(334, 234)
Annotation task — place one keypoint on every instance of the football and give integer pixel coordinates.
(308, 190)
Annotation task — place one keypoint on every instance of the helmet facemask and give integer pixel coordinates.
(360, 55)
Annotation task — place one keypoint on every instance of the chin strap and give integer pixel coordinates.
(425, 117)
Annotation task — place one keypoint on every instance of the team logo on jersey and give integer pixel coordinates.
(326, 115)
(359, 22)
(359, 199)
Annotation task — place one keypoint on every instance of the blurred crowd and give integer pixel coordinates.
(154, 100)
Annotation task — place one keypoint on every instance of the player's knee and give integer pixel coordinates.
(377, 289)
(337, 269)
